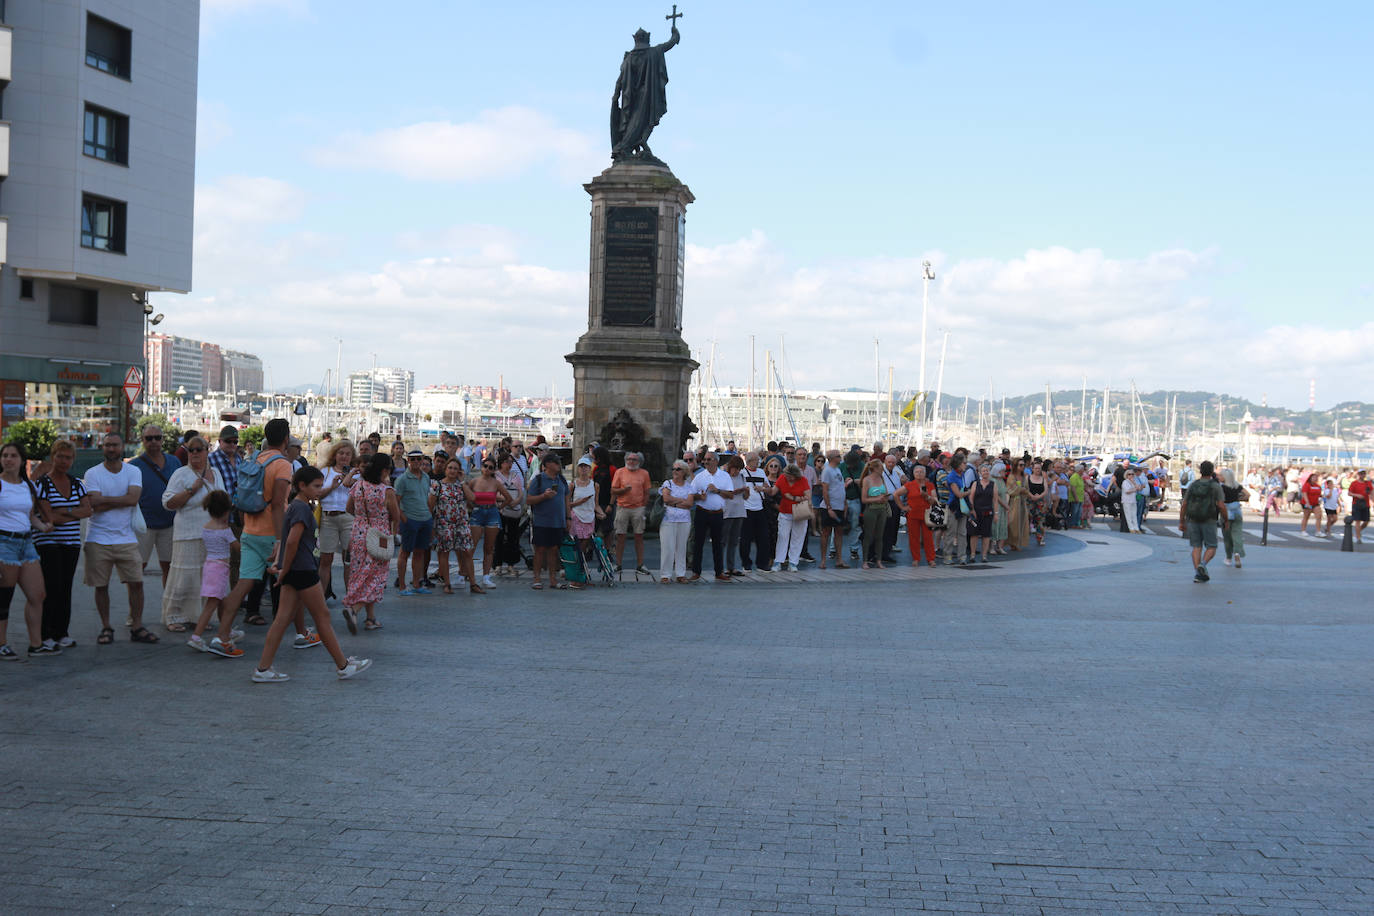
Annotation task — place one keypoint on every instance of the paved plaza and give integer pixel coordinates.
(1082, 731)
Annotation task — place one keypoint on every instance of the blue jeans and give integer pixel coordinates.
(853, 508)
(1075, 514)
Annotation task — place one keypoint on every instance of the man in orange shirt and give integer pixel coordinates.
(630, 488)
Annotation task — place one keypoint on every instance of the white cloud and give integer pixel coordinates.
(467, 303)
(499, 144)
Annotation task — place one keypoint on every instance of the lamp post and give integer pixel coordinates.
(927, 274)
(466, 398)
(1245, 444)
(181, 404)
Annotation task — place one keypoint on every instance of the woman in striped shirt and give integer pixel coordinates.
(65, 502)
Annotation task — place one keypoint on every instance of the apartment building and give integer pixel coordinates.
(97, 179)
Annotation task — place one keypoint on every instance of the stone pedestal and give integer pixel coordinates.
(632, 370)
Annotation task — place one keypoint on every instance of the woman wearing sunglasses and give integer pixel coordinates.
(487, 497)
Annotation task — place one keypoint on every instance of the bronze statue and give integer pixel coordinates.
(641, 97)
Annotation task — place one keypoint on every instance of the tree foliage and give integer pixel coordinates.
(36, 436)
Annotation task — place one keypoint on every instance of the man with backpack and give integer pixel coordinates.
(260, 495)
(1203, 503)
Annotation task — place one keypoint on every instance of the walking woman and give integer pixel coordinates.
(677, 523)
(296, 568)
(1235, 497)
(336, 525)
(487, 496)
(21, 516)
(186, 492)
(983, 502)
(1018, 535)
(873, 495)
(448, 503)
(793, 490)
(374, 508)
(1037, 485)
(509, 559)
(1130, 510)
(64, 501)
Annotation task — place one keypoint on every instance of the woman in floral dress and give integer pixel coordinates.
(449, 504)
(373, 506)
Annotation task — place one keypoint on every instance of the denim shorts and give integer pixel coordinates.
(485, 517)
(415, 535)
(17, 551)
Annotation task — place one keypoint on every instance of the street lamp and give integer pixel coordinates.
(466, 398)
(927, 274)
(181, 404)
(1245, 445)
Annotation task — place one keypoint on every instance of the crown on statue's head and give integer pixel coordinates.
(641, 37)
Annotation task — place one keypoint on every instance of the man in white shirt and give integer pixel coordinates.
(752, 539)
(712, 487)
(893, 480)
(111, 542)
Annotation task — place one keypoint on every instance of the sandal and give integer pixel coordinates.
(256, 620)
(176, 627)
(664, 581)
(683, 580)
(372, 625)
(448, 589)
(142, 635)
(538, 586)
(477, 589)
(106, 637)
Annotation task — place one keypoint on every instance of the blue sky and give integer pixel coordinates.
(1086, 179)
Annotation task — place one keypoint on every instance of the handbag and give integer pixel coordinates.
(935, 518)
(378, 541)
(801, 512)
(378, 544)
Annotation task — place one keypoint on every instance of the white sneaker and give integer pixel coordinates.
(354, 667)
(1228, 561)
(235, 635)
(197, 643)
(776, 567)
(270, 676)
(487, 583)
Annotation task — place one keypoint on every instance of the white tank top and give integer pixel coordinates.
(15, 504)
(587, 511)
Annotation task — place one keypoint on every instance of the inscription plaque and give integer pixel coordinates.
(631, 274)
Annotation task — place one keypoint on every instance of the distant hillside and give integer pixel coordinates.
(1356, 417)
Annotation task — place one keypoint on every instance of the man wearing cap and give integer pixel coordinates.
(630, 487)
(293, 454)
(417, 524)
(225, 459)
(853, 470)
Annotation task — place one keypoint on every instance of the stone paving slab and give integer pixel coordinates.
(1102, 738)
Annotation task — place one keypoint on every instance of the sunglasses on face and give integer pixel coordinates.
(196, 448)
(152, 438)
(489, 467)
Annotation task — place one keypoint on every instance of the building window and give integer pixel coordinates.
(102, 223)
(106, 135)
(25, 288)
(73, 305)
(108, 46)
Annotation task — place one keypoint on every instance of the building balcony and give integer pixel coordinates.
(4, 150)
(6, 40)
(5, 243)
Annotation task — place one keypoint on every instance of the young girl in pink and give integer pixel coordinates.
(214, 577)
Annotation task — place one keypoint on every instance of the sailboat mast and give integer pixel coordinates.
(939, 387)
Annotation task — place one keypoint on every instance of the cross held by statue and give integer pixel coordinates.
(674, 16)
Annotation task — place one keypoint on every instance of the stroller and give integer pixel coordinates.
(579, 569)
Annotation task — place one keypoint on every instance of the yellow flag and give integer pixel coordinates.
(909, 411)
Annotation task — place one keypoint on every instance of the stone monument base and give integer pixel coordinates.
(632, 370)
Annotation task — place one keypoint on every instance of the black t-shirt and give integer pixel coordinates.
(306, 558)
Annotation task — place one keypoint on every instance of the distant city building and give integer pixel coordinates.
(97, 156)
(199, 367)
(383, 385)
(444, 403)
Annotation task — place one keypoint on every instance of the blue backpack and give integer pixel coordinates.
(248, 495)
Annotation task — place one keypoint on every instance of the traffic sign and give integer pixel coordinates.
(133, 384)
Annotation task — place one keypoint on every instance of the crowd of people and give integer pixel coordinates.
(231, 528)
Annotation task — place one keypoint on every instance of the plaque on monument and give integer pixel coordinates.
(631, 273)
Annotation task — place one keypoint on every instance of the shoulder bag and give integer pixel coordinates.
(378, 541)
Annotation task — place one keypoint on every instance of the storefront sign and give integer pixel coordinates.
(68, 374)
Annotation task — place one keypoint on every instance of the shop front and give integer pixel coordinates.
(84, 398)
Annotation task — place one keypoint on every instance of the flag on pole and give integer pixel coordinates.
(910, 410)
